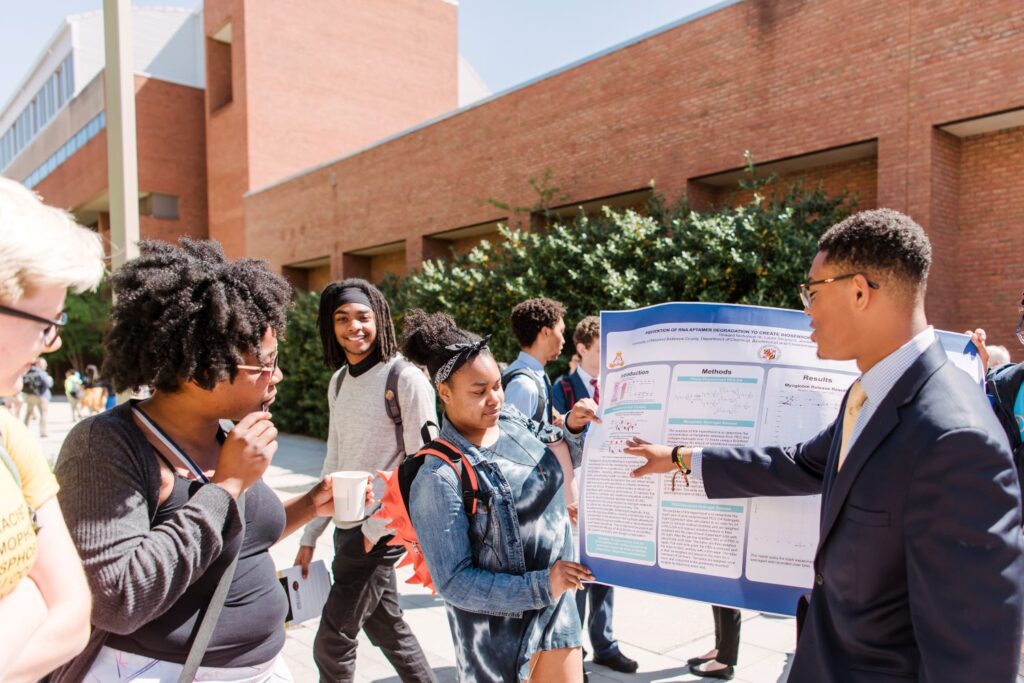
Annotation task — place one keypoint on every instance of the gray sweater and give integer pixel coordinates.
(361, 436)
(109, 488)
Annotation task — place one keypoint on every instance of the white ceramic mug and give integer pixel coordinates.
(349, 496)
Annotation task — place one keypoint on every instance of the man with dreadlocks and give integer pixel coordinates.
(359, 342)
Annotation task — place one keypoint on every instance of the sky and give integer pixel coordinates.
(508, 42)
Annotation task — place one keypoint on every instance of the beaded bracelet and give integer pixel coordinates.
(682, 469)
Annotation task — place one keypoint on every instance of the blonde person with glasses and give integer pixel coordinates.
(44, 597)
(164, 503)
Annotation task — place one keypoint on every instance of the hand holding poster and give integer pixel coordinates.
(709, 375)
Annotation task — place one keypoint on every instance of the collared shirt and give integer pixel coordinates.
(522, 391)
(585, 377)
(877, 383)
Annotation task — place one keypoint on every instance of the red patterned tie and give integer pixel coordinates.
(597, 393)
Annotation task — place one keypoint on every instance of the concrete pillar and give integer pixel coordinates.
(122, 161)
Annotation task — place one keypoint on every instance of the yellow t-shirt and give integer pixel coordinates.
(38, 485)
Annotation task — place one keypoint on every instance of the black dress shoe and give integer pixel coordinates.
(725, 674)
(697, 661)
(618, 662)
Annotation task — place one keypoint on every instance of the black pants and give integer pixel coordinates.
(365, 596)
(727, 634)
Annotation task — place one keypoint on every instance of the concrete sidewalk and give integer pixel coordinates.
(659, 632)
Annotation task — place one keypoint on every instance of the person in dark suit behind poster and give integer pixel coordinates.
(919, 565)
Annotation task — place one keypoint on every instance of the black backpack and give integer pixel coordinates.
(1003, 384)
(542, 413)
(33, 383)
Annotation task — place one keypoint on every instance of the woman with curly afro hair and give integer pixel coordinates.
(505, 570)
(153, 489)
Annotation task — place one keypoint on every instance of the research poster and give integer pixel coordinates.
(709, 375)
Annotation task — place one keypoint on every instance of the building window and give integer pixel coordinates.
(163, 206)
(49, 100)
(218, 68)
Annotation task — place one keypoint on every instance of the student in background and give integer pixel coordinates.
(539, 327)
(36, 390)
(73, 390)
(359, 343)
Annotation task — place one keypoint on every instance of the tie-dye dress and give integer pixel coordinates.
(493, 569)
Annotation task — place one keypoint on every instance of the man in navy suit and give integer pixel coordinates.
(582, 383)
(919, 564)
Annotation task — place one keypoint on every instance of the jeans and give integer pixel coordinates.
(365, 596)
(115, 666)
(599, 625)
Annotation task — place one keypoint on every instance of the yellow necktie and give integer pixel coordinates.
(853, 405)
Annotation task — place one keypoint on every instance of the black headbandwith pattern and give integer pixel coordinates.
(461, 354)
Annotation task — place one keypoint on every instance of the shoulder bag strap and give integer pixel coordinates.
(9, 463)
(220, 594)
(212, 613)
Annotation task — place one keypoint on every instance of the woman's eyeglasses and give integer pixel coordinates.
(52, 329)
(269, 369)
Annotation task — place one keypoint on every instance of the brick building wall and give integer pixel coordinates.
(171, 161)
(990, 273)
(311, 85)
(781, 79)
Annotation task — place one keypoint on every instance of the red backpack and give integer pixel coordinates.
(394, 502)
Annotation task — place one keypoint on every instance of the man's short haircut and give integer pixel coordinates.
(533, 315)
(587, 331)
(332, 298)
(184, 313)
(41, 245)
(881, 242)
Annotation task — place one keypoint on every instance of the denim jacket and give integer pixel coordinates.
(477, 561)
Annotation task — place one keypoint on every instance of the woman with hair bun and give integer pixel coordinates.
(506, 571)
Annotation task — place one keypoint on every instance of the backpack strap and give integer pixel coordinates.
(542, 392)
(452, 456)
(337, 383)
(568, 393)
(391, 404)
(1003, 386)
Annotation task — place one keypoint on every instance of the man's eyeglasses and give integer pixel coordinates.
(270, 369)
(805, 287)
(52, 329)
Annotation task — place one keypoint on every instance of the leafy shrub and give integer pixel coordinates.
(301, 404)
(751, 254)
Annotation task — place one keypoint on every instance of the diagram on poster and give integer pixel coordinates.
(709, 375)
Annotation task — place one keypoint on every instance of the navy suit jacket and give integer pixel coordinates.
(919, 564)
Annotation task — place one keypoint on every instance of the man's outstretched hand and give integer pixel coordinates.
(658, 457)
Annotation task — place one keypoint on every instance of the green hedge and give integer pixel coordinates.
(751, 254)
(82, 339)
